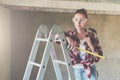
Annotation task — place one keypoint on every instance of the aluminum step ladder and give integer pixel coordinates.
(49, 52)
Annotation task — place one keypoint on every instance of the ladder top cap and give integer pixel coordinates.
(57, 29)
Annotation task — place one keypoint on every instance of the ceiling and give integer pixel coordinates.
(111, 7)
(101, 1)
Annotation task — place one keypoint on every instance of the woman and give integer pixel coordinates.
(83, 63)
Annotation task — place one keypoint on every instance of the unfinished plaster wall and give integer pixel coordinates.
(24, 26)
(4, 43)
(108, 29)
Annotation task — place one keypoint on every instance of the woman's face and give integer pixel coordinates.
(79, 20)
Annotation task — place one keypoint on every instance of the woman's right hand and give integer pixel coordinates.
(71, 42)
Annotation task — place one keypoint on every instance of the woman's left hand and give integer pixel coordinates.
(88, 41)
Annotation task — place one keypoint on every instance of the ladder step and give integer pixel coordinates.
(60, 62)
(42, 39)
(36, 64)
(58, 40)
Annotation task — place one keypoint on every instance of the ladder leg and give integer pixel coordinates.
(67, 58)
(41, 30)
(56, 65)
(31, 58)
(58, 30)
(45, 58)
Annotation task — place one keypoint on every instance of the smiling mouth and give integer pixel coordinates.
(78, 25)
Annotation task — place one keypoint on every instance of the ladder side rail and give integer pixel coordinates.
(59, 31)
(31, 58)
(45, 58)
(56, 65)
(67, 58)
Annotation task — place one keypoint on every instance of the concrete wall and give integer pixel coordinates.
(108, 27)
(5, 33)
(20, 28)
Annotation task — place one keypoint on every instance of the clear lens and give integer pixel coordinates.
(79, 20)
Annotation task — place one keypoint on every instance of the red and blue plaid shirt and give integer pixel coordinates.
(89, 59)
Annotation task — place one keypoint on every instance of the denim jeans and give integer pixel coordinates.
(93, 73)
(80, 73)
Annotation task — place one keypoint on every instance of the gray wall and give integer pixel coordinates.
(5, 34)
(21, 29)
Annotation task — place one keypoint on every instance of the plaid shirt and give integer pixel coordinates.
(89, 59)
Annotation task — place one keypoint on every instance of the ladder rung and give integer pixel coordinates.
(58, 40)
(60, 62)
(42, 39)
(36, 64)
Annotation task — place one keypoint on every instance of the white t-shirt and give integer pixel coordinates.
(82, 53)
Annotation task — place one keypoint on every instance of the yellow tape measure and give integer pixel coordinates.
(94, 54)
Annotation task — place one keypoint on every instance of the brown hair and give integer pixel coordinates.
(82, 11)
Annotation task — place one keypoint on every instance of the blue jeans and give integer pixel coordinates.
(80, 73)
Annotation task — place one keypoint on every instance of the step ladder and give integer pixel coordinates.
(49, 52)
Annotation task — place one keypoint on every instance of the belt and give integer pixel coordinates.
(78, 66)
